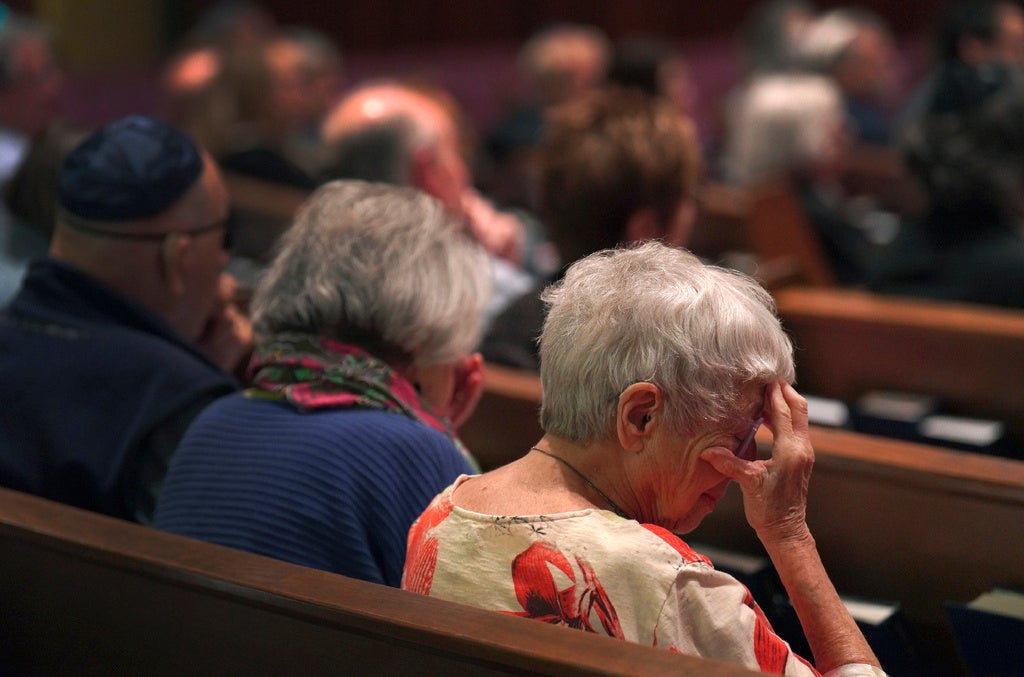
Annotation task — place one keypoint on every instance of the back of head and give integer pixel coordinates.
(143, 210)
(399, 132)
(769, 32)
(605, 158)
(305, 67)
(783, 123)
(30, 82)
(855, 47)
(128, 170)
(658, 314)
(638, 63)
(375, 264)
(563, 61)
(372, 133)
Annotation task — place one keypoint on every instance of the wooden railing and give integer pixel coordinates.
(849, 342)
(85, 594)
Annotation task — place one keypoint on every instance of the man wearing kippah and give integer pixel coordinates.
(126, 331)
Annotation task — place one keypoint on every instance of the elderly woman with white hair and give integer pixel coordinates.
(365, 323)
(657, 370)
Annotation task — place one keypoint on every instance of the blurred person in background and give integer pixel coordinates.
(616, 166)
(30, 86)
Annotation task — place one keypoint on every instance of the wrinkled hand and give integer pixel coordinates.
(227, 336)
(469, 387)
(500, 233)
(775, 490)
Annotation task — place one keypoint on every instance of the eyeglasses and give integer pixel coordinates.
(748, 447)
(227, 223)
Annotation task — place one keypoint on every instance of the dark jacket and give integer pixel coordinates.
(95, 392)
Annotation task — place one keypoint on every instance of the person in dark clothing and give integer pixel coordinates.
(126, 331)
(971, 162)
(618, 166)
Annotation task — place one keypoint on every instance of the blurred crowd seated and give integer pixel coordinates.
(812, 148)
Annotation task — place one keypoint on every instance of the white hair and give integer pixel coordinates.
(658, 314)
(781, 123)
(379, 261)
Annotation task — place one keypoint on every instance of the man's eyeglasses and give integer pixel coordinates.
(227, 223)
(748, 447)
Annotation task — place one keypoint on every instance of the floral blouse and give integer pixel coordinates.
(595, 571)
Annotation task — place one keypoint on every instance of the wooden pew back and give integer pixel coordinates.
(506, 422)
(767, 223)
(903, 522)
(84, 594)
(721, 224)
(849, 342)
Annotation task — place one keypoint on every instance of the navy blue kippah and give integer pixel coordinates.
(132, 168)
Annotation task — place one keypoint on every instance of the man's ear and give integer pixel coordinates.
(643, 225)
(638, 414)
(173, 254)
(422, 170)
(973, 51)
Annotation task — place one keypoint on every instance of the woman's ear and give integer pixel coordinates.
(173, 252)
(638, 414)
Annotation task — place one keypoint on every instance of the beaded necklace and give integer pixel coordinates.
(612, 504)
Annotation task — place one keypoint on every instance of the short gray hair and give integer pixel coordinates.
(658, 314)
(375, 262)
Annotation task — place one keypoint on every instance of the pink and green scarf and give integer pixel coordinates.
(314, 372)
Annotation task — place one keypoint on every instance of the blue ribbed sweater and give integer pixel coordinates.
(333, 489)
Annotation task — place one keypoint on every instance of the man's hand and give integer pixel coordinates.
(227, 336)
(500, 233)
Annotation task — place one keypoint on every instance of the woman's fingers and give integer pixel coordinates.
(748, 474)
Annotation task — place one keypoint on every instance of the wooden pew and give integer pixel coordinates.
(881, 172)
(849, 342)
(506, 422)
(85, 594)
(893, 520)
(721, 224)
(903, 522)
(768, 226)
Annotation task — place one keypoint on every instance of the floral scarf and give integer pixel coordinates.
(314, 372)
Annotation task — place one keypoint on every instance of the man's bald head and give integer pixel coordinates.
(397, 134)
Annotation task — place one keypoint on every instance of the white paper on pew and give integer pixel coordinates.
(896, 406)
(824, 411)
(978, 432)
(732, 559)
(867, 611)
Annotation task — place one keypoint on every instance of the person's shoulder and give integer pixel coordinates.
(389, 434)
(663, 539)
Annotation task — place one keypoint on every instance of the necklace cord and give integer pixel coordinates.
(612, 504)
